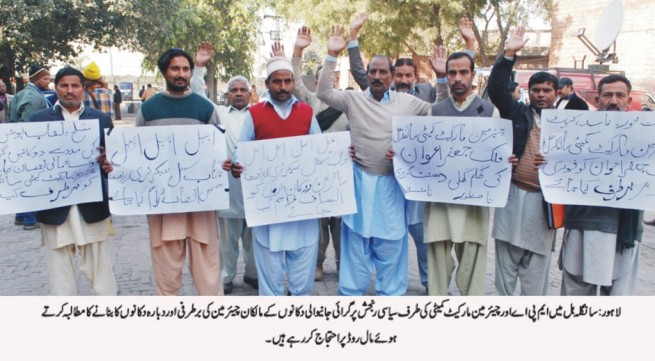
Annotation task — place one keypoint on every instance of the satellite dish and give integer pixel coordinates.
(609, 25)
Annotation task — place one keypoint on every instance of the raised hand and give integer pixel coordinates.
(515, 42)
(357, 24)
(336, 42)
(277, 49)
(438, 61)
(304, 38)
(204, 53)
(466, 30)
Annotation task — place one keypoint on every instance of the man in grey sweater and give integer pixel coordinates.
(375, 236)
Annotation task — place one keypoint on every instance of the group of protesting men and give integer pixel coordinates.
(598, 254)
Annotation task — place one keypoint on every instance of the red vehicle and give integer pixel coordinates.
(585, 83)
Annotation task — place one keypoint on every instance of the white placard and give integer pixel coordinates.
(49, 164)
(167, 169)
(598, 158)
(297, 178)
(463, 160)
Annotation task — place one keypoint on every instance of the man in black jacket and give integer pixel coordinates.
(567, 97)
(523, 240)
(80, 227)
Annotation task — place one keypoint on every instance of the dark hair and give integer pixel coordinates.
(613, 79)
(391, 67)
(512, 86)
(165, 59)
(543, 77)
(68, 71)
(459, 55)
(406, 61)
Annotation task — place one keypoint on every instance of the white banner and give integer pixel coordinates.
(598, 158)
(167, 169)
(48, 164)
(463, 160)
(297, 178)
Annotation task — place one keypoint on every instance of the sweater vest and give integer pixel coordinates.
(478, 108)
(269, 125)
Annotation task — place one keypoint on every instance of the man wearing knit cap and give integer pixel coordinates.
(26, 102)
(285, 249)
(96, 94)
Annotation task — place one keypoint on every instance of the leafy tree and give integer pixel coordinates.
(230, 26)
(400, 27)
(503, 15)
(43, 31)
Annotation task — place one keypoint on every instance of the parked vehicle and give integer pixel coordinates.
(585, 84)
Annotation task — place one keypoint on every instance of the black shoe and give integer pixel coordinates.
(253, 282)
(650, 223)
(227, 288)
(28, 227)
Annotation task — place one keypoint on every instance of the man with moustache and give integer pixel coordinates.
(405, 81)
(330, 120)
(376, 236)
(600, 253)
(231, 222)
(79, 228)
(568, 99)
(458, 228)
(283, 250)
(172, 234)
(524, 242)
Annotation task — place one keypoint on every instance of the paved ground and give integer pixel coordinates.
(23, 269)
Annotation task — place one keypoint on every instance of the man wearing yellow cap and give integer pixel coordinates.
(96, 94)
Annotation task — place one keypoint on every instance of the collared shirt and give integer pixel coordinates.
(289, 235)
(467, 102)
(386, 97)
(232, 120)
(283, 110)
(75, 115)
(103, 99)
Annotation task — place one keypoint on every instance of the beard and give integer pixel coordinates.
(460, 89)
(613, 108)
(404, 87)
(177, 88)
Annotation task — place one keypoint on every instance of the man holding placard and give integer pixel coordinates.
(376, 236)
(283, 249)
(82, 227)
(458, 227)
(600, 253)
(171, 234)
(524, 242)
